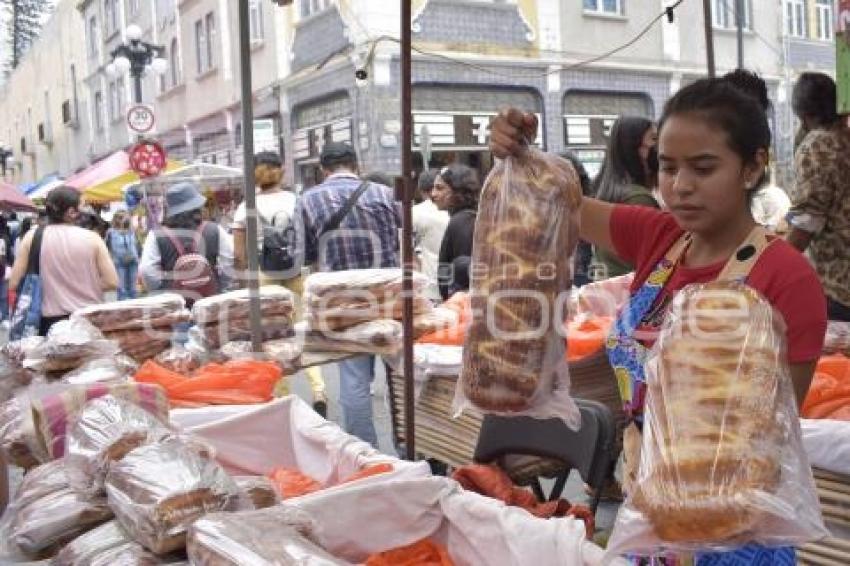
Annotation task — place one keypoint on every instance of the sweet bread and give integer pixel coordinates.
(523, 237)
(713, 440)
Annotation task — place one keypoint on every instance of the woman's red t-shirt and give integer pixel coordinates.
(642, 236)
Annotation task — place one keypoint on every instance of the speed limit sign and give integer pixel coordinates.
(140, 118)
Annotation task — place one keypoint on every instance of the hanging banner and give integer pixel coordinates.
(842, 59)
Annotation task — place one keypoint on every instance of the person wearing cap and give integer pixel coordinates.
(366, 237)
(184, 218)
(275, 207)
(75, 265)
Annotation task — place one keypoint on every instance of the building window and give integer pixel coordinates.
(98, 111)
(823, 10)
(110, 14)
(310, 7)
(795, 18)
(605, 6)
(93, 40)
(175, 64)
(724, 11)
(204, 38)
(256, 11)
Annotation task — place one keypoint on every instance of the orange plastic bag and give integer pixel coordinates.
(292, 483)
(453, 335)
(422, 553)
(369, 471)
(829, 393)
(585, 336)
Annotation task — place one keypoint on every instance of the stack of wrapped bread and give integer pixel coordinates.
(360, 311)
(126, 463)
(143, 327)
(524, 235)
(227, 317)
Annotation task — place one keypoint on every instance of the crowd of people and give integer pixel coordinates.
(701, 170)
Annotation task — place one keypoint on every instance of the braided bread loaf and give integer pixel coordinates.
(712, 437)
(524, 236)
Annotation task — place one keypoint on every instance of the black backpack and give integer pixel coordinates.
(278, 246)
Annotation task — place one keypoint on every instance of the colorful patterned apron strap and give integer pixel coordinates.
(747, 255)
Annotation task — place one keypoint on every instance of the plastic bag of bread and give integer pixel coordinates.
(102, 434)
(382, 336)
(158, 490)
(525, 234)
(213, 336)
(86, 548)
(179, 359)
(46, 513)
(117, 369)
(15, 444)
(235, 305)
(68, 345)
(255, 492)
(55, 407)
(142, 344)
(336, 300)
(278, 535)
(153, 311)
(837, 340)
(722, 463)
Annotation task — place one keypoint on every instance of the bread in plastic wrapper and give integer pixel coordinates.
(102, 434)
(13, 374)
(722, 462)
(68, 345)
(142, 344)
(439, 318)
(116, 369)
(46, 513)
(55, 407)
(525, 234)
(342, 299)
(180, 359)
(87, 547)
(213, 336)
(255, 492)
(134, 313)
(15, 442)
(158, 490)
(837, 340)
(382, 336)
(279, 536)
(235, 305)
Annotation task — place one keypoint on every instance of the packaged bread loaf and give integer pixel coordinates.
(87, 547)
(525, 233)
(278, 535)
(381, 336)
(215, 335)
(102, 434)
(15, 444)
(135, 313)
(46, 513)
(235, 305)
(255, 492)
(114, 369)
(158, 490)
(68, 345)
(722, 463)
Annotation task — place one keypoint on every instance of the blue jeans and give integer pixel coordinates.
(355, 376)
(4, 299)
(127, 280)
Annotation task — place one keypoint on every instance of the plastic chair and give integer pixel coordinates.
(589, 450)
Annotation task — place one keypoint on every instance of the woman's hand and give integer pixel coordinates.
(511, 131)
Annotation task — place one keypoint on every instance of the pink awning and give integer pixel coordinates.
(13, 199)
(105, 169)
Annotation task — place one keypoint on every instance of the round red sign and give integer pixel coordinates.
(147, 158)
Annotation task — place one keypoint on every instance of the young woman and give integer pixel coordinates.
(121, 241)
(713, 148)
(627, 176)
(456, 190)
(75, 265)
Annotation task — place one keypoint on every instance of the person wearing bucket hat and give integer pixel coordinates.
(187, 254)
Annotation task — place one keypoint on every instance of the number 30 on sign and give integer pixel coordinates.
(140, 118)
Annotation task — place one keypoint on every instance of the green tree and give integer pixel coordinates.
(24, 19)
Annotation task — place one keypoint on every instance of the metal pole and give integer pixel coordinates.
(250, 187)
(403, 186)
(137, 85)
(709, 38)
(739, 22)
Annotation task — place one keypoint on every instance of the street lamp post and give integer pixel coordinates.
(136, 56)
